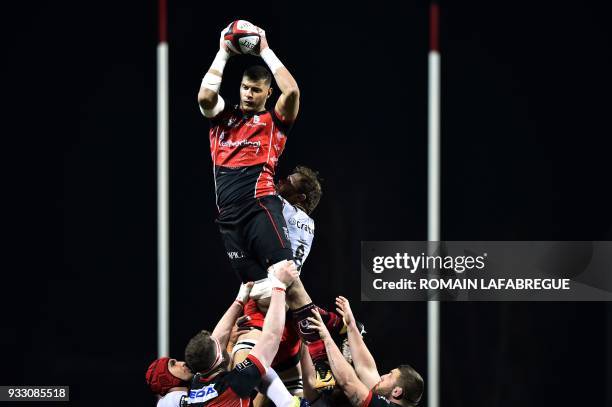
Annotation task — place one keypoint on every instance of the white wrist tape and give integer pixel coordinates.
(218, 108)
(271, 60)
(220, 60)
(275, 282)
(272, 270)
(243, 293)
(211, 81)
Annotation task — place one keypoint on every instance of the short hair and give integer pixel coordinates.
(310, 185)
(200, 352)
(411, 383)
(258, 72)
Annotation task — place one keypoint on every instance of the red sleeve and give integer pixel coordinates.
(260, 367)
(282, 123)
(367, 400)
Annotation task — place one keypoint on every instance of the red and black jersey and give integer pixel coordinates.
(227, 389)
(245, 149)
(374, 400)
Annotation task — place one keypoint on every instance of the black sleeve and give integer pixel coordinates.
(246, 376)
(374, 400)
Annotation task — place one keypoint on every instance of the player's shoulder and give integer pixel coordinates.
(296, 212)
(304, 217)
(203, 390)
(172, 399)
(381, 401)
(230, 115)
(250, 363)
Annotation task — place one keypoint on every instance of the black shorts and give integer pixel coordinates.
(255, 236)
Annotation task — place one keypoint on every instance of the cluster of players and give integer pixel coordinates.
(272, 344)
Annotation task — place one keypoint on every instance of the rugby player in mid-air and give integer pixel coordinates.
(300, 192)
(246, 141)
(364, 387)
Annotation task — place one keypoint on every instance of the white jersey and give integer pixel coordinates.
(301, 231)
(172, 399)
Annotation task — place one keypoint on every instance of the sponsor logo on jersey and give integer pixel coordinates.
(243, 365)
(202, 395)
(304, 326)
(240, 143)
(235, 255)
(256, 122)
(301, 225)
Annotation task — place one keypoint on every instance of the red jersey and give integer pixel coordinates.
(288, 354)
(245, 148)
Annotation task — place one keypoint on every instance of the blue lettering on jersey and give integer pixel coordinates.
(202, 395)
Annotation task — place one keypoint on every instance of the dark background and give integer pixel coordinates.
(525, 157)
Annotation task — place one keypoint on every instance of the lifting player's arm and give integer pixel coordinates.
(364, 363)
(281, 275)
(288, 103)
(211, 103)
(346, 377)
(224, 327)
(308, 376)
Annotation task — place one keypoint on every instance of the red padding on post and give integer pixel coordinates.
(434, 27)
(163, 20)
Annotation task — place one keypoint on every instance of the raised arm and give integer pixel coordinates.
(224, 327)
(308, 376)
(345, 376)
(288, 103)
(364, 363)
(211, 104)
(281, 275)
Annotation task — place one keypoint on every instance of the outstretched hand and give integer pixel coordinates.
(344, 309)
(222, 44)
(317, 323)
(244, 292)
(263, 40)
(240, 328)
(243, 325)
(285, 271)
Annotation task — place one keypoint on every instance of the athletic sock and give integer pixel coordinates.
(275, 389)
(331, 320)
(316, 348)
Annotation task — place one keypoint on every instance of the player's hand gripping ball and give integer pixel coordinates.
(242, 37)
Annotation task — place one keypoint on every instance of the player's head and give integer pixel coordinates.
(403, 385)
(301, 188)
(204, 355)
(255, 89)
(165, 373)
